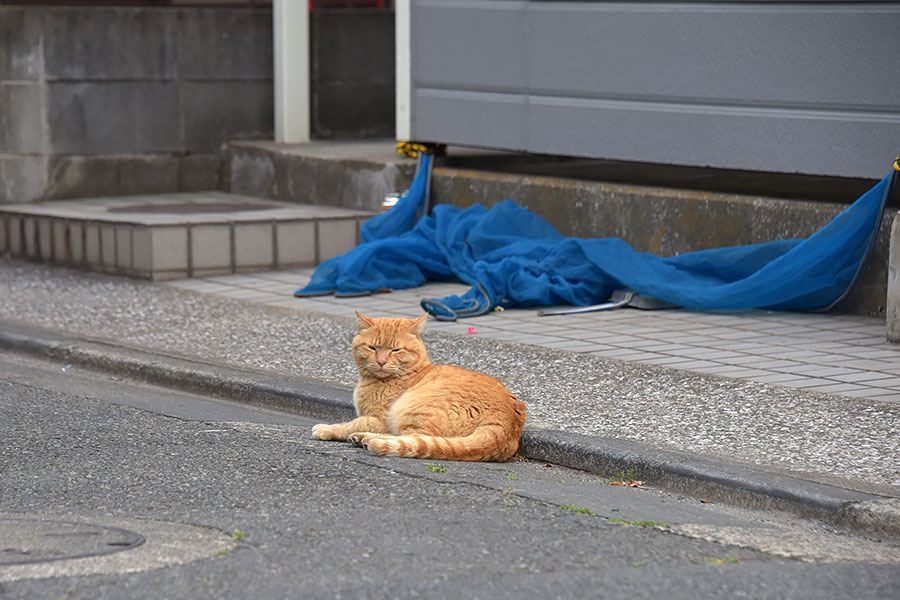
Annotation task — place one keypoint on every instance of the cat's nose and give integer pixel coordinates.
(381, 362)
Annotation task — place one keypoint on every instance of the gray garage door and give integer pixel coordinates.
(772, 86)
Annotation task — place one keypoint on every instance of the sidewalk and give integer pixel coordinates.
(846, 355)
(796, 399)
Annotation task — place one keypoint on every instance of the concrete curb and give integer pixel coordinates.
(674, 471)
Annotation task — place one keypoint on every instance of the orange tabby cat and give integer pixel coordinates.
(409, 407)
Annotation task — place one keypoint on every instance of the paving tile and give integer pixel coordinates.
(722, 370)
(874, 394)
(283, 303)
(869, 364)
(743, 360)
(880, 353)
(631, 330)
(741, 334)
(806, 382)
(862, 376)
(665, 347)
(884, 383)
(838, 388)
(773, 377)
(795, 354)
(681, 338)
(813, 370)
(671, 361)
(571, 346)
(631, 356)
(778, 364)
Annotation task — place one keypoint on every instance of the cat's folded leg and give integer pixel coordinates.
(340, 431)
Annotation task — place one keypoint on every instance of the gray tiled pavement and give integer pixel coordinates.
(844, 355)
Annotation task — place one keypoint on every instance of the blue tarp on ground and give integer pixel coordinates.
(513, 257)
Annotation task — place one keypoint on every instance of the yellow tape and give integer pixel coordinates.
(412, 149)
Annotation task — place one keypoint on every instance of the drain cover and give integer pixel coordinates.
(24, 541)
(186, 208)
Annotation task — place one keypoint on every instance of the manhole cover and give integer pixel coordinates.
(24, 541)
(186, 208)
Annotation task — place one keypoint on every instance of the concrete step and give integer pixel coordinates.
(174, 236)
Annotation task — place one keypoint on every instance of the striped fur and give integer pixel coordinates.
(409, 407)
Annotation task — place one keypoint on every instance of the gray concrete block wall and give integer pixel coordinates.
(119, 100)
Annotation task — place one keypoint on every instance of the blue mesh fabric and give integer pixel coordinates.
(513, 257)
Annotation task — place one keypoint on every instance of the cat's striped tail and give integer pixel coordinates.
(486, 443)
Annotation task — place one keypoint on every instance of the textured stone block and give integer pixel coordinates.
(89, 176)
(253, 247)
(108, 248)
(113, 117)
(169, 249)
(110, 43)
(336, 237)
(296, 243)
(20, 118)
(215, 113)
(14, 231)
(123, 248)
(141, 252)
(20, 43)
(22, 179)
(45, 239)
(60, 241)
(30, 237)
(199, 172)
(225, 44)
(210, 248)
(92, 255)
(76, 242)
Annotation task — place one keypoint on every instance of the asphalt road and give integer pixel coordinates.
(235, 502)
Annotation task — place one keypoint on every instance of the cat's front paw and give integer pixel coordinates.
(323, 432)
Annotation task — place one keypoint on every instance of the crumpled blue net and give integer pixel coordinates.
(513, 258)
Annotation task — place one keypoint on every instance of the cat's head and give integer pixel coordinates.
(388, 347)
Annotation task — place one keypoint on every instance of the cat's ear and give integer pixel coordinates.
(418, 325)
(363, 321)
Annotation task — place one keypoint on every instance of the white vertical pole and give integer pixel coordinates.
(403, 66)
(290, 26)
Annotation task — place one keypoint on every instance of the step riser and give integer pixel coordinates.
(175, 252)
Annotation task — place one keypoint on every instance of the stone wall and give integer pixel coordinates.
(119, 100)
